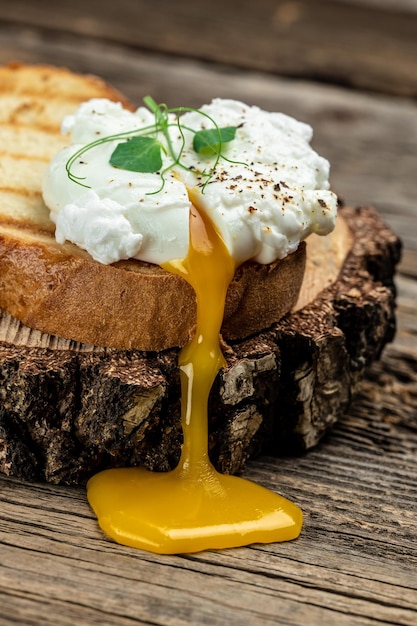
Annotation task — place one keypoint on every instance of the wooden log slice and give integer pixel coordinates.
(68, 410)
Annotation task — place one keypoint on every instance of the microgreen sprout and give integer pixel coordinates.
(140, 150)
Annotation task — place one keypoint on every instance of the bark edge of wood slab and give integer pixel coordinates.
(68, 412)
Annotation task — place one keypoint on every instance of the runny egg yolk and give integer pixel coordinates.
(193, 507)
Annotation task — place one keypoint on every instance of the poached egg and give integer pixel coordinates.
(269, 192)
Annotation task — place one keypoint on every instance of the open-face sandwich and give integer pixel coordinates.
(129, 303)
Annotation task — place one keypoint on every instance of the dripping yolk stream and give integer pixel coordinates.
(193, 507)
(209, 269)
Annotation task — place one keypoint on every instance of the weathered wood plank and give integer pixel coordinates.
(361, 505)
(341, 42)
(404, 6)
(359, 494)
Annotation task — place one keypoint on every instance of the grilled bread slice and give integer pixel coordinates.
(60, 289)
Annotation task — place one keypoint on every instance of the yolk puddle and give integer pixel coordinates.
(193, 507)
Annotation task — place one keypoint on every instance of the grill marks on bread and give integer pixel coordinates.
(33, 103)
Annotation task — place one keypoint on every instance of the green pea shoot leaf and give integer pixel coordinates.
(138, 154)
(211, 140)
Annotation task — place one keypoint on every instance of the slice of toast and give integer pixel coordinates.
(60, 289)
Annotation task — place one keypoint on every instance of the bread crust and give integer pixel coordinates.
(61, 290)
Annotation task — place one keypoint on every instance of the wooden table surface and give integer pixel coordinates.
(349, 69)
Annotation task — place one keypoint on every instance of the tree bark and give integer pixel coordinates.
(69, 410)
